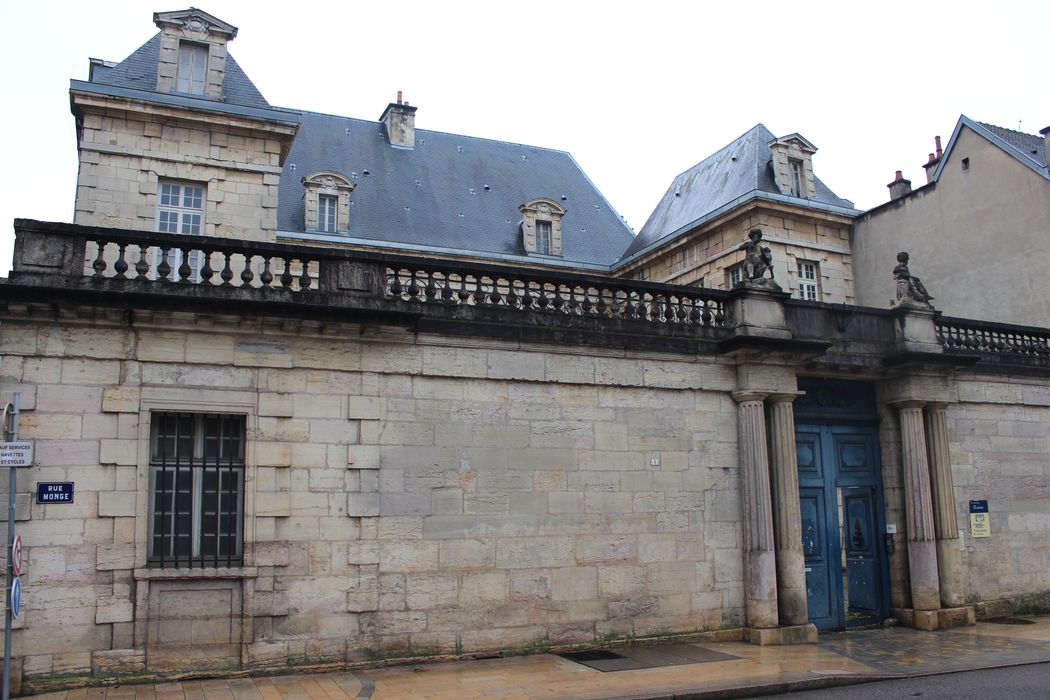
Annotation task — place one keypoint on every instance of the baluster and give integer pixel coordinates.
(463, 293)
(164, 268)
(305, 280)
(227, 271)
(660, 309)
(413, 287)
(586, 306)
(480, 298)
(246, 274)
(266, 277)
(121, 266)
(601, 306)
(431, 290)
(99, 265)
(207, 271)
(495, 297)
(184, 268)
(393, 282)
(557, 300)
(142, 267)
(286, 274)
(513, 298)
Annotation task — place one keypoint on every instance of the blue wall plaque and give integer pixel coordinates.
(978, 506)
(54, 492)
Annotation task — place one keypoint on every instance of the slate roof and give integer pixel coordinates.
(139, 71)
(740, 168)
(1028, 145)
(435, 194)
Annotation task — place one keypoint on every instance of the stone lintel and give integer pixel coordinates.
(780, 636)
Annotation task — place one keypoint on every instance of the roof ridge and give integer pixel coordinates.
(431, 131)
(1006, 128)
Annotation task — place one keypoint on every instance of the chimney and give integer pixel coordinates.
(399, 123)
(1045, 133)
(899, 187)
(931, 165)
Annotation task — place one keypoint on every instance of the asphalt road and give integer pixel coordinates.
(1013, 683)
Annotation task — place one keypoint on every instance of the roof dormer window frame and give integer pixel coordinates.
(541, 232)
(792, 163)
(334, 188)
(182, 36)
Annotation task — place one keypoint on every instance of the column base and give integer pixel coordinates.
(777, 636)
(931, 620)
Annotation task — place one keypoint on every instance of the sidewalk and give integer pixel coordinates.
(680, 671)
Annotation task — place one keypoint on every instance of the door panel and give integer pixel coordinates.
(840, 485)
(862, 574)
(820, 584)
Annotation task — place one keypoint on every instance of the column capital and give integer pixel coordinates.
(937, 405)
(907, 403)
(746, 395)
(785, 396)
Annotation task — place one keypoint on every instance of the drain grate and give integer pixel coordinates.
(635, 658)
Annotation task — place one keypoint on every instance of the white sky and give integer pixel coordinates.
(636, 91)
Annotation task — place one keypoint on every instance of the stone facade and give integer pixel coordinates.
(704, 257)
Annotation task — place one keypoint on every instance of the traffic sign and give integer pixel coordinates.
(16, 597)
(16, 454)
(16, 555)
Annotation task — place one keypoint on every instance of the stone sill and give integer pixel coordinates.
(186, 573)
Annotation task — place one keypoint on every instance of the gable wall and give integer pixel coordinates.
(976, 231)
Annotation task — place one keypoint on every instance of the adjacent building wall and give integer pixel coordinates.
(977, 238)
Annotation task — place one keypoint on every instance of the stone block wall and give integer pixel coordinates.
(123, 155)
(403, 495)
(704, 258)
(1000, 439)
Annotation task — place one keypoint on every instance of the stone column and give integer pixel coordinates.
(760, 575)
(922, 547)
(949, 556)
(787, 517)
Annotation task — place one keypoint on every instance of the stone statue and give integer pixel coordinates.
(757, 259)
(911, 292)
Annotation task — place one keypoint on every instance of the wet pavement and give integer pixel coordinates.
(680, 671)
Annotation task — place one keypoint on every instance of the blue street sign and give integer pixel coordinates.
(54, 492)
(978, 506)
(16, 597)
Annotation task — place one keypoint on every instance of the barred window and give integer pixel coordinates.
(196, 482)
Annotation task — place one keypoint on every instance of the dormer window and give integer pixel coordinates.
(326, 202)
(541, 226)
(192, 59)
(193, 68)
(792, 163)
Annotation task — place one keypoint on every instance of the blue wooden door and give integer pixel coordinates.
(840, 495)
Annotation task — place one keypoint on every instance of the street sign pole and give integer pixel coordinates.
(10, 434)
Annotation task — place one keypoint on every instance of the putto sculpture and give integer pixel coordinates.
(911, 292)
(757, 260)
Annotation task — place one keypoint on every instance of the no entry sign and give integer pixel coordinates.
(16, 555)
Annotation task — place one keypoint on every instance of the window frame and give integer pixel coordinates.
(187, 82)
(797, 172)
(808, 272)
(327, 213)
(195, 468)
(734, 275)
(182, 220)
(544, 233)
